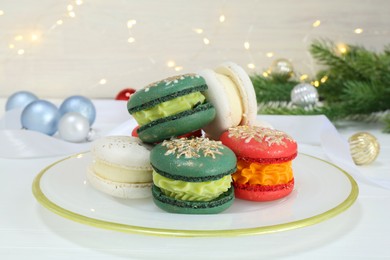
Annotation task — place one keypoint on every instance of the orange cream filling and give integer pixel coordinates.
(263, 174)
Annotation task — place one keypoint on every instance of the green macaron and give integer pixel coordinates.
(192, 176)
(171, 107)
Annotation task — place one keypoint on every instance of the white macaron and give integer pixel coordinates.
(231, 92)
(121, 167)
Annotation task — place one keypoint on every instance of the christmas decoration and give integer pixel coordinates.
(20, 99)
(73, 127)
(282, 66)
(125, 94)
(304, 95)
(354, 84)
(72, 120)
(41, 116)
(81, 105)
(364, 148)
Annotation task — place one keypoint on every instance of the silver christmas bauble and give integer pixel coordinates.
(73, 127)
(304, 95)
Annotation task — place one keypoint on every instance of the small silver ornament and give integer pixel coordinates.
(304, 95)
(73, 127)
(364, 148)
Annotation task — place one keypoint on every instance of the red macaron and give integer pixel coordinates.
(264, 156)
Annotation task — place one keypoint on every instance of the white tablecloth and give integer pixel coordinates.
(29, 231)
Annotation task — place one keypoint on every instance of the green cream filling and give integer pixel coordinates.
(168, 108)
(192, 191)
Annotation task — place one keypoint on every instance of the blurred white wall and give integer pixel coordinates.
(57, 48)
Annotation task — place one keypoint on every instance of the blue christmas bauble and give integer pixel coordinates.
(81, 105)
(41, 116)
(20, 99)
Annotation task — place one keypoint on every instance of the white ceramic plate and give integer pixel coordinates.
(322, 190)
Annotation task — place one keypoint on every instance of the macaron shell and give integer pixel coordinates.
(164, 90)
(174, 159)
(171, 205)
(263, 193)
(227, 103)
(122, 151)
(260, 144)
(245, 86)
(117, 189)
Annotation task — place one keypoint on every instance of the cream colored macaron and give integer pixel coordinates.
(231, 92)
(121, 167)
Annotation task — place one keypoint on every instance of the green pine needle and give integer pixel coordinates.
(357, 85)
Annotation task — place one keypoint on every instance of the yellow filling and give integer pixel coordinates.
(122, 174)
(264, 174)
(234, 98)
(192, 191)
(168, 108)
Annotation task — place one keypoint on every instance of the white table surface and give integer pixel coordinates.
(30, 231)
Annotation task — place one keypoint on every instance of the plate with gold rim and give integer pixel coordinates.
(322, 191)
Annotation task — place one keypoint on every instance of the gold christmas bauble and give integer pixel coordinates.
(282, 66)
(364, 148)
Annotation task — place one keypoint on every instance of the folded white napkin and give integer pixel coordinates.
(113, 119)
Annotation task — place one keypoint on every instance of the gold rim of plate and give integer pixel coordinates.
(43, 200)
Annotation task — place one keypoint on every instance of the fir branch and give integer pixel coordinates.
(276, 87)
(326, 53)
(287, 108)
(386, 120)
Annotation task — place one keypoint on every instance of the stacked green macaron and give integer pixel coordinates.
(192, 176)
(171, 107)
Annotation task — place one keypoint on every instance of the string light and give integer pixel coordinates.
(131, 40)
(70, 11)
(303, 77)
(316, 23)
(34, 37)
(72, 14)
(342, 48)
(324, 79)
(251, 66)
(198, 30)
(131, 23)
(171, 63)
